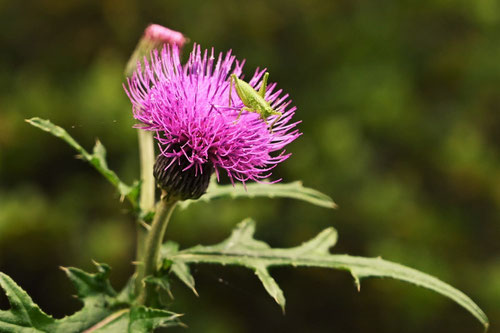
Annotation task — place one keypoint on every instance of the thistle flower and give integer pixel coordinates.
(196, 127)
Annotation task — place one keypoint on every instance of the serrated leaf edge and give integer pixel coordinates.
(227, 252)
(97, 159)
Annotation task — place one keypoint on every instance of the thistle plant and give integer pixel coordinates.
(192, 137)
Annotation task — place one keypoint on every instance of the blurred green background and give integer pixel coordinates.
(400, 102)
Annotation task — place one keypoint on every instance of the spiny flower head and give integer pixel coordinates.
(196, 127)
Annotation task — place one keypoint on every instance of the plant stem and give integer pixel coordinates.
(153, 241)
(147, 157)
(147, 198)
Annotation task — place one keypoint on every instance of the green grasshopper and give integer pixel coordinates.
(253, 100)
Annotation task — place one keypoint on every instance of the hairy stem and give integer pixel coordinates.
(147, 198)
(153, 241)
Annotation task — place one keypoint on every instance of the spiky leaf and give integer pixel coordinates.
(97, 159)
(242, 249)
(138, 319)
(180, 269)
(103, 310)
(162, 293)
(88, 284)
(98, 297)
(294, 190)
(145, 320)
(24, 315)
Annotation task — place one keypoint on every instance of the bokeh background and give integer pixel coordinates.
(400, 102)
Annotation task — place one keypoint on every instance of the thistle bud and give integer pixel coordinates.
(160, 35)
(155, 36)
(178, 182)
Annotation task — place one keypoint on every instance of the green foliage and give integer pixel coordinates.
(99, 300)
(138, 319)
(294, 190)
(162, 289)
(97, 159)
(89, 285)
(145, 320)
(179, 268)
(103, 309)
(24, 315)
(243, 250)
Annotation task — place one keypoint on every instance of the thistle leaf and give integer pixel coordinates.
(146, 320)
(294, 190)
(99, 300)
(270, 285)
(163, 294)
(24, 315)
(87, 284)
(242, 249)
(97, 159)
(138, 319)
(179, 269)
(102, 310)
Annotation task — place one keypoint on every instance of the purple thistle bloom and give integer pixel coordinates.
(188, 108)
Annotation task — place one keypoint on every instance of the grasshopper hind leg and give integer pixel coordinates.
(263, 86)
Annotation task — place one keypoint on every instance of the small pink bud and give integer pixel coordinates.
(155, 37)
(158, 33)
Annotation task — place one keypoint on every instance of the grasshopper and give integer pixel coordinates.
(253, 100)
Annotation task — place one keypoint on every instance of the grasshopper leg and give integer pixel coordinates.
(231, 88)
(241, 111)
(275, 120)
(262, 90)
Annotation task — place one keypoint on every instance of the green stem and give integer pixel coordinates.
(147, 160)
(147, 198)
(147, 157)
(154, 239)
